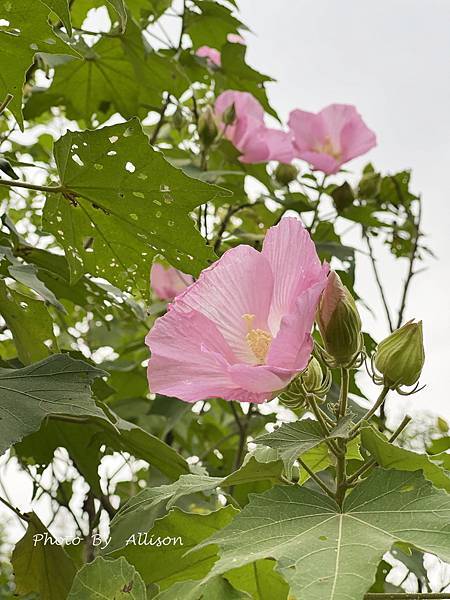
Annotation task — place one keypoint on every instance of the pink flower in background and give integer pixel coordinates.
(248, 132)
(242, 331)
(331, 137)
(211, 54)
(235, 38)
(168, 283)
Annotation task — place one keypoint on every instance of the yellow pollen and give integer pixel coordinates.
(258, 340)
(328, 148)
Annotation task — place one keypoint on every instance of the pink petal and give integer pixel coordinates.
(307, 129)
(249, 115)
(235, 38)
(334, 118)
(261, 379)
(279, 144)
(356, 139)
(168, 282)
(239, 283)
(295, 266)
(254, 147)
(320, 161)
(293, 345)
(210, 53)
(190, 358)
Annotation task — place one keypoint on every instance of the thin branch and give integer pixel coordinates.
(320, 190)
(317, 479)
(378, 281)
(5, 103)
(242, 427)
(380, 400)
(411, 271)
(32, 186)
(16, 511)
(161, 120)
(230, 212)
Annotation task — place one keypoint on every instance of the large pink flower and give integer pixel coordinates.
(242, 331)
(331, 137)
(249, 133)
(168, 283)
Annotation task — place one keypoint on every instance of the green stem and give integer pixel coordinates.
(411, 272)
(318, 413)
(14, 510)
(316, 211)
(381, 398)
(317, 479)
(343, 396)
(378, 280)
(32, 186)
(341, 461)
(5, 103)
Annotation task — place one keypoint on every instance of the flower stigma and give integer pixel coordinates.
(328, 148)
(258, 340)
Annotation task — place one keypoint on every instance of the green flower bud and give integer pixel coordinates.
(339, 323)
(312, 376)
(207, 127)
(400, 357)
(178, 119)
(285, 173)
(294, 396)
(229, 115)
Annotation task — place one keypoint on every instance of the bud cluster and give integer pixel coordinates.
(311, 381)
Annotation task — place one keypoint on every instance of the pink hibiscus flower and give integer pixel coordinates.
(249, 133)
(211, 54)
(242, 331)
(331, 137)
(168, 283)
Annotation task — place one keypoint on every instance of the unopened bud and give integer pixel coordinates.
(312, 376)
(207, 128)
(178, 119)
(229, 115)
(400, 357)
(285, 173)
(339, 323)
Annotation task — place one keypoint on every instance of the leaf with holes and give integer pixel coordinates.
(61, 10)
(58, 385)
(108, 579)
(27, 31)
(123, 204)
(330, 554)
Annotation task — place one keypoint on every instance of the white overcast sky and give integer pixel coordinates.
(391, 58)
